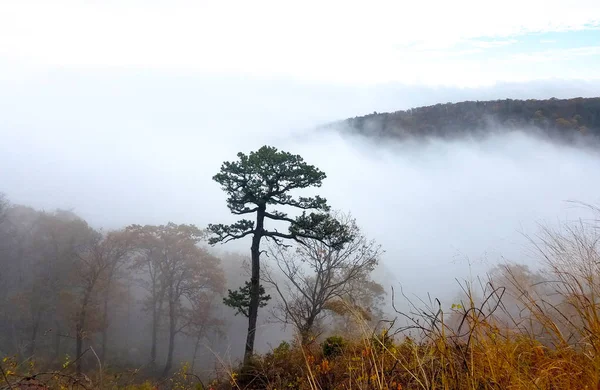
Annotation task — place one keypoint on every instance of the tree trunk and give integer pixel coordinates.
(57, 342)
(105, 324)
(34, 332)
(78, 346)
(172, 332)
(195, 353)
(305, 333)
(254, 284)
(154, 334)
(127, 339)
(104, 343)
(306, 329)
(79, 328)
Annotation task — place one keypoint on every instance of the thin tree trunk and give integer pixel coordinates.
(79, 328)
(172, 332)
(105, 319)
(104, 342)
(154, 334)
(127, 339)
(155, 325)
(34, 331)
(195, 352)
(57, 342)
(78, 346)
(254, 284)
(17, 342)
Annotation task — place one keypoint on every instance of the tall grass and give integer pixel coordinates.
(516, 329)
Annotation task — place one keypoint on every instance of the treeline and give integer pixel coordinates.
(563, 118)
(67, 289)
(150, 297)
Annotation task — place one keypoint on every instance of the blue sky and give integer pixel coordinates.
(555, 41)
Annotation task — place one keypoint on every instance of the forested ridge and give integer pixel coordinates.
(563, 118)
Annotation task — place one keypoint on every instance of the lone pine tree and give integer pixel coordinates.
(262, 180)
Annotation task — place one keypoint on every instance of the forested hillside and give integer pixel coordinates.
(558, 118)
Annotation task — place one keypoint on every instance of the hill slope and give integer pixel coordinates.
(566, 118)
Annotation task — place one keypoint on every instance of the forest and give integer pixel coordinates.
(147, 298)
(148, 306)
(565, 119)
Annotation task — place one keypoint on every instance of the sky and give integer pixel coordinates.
(123, 111)
(459, 43)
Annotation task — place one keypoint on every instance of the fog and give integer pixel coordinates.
(120, 147)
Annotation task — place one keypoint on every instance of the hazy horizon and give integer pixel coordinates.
(135, 152)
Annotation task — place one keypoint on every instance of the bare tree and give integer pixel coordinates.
(317, 274)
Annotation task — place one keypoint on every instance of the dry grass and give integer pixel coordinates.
(470, 347)
(472, 353)
(518, 330)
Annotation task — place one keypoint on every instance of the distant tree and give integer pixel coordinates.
(49, 276)
(186, 275)
(562, 123)
(121, 247)
(28, 273)
(95, 262)
(363, 305)
(266, 178)
(319, 276)
(202, 322)
(146, 264)
(4, 205)
(518, 286)
(554, 116)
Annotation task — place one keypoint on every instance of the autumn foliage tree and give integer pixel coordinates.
(182, 276)
(72, 296)
(39, 275)
(94, 271)
(254, 184)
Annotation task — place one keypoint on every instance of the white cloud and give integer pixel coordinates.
(492, 44)
(338, 41)
(557, 54)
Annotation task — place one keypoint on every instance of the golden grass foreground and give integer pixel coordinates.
(517, 330)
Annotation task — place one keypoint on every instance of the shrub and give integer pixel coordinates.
(333, 346)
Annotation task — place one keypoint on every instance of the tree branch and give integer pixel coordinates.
(245, 210)
(279, 216)
(226, 233)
